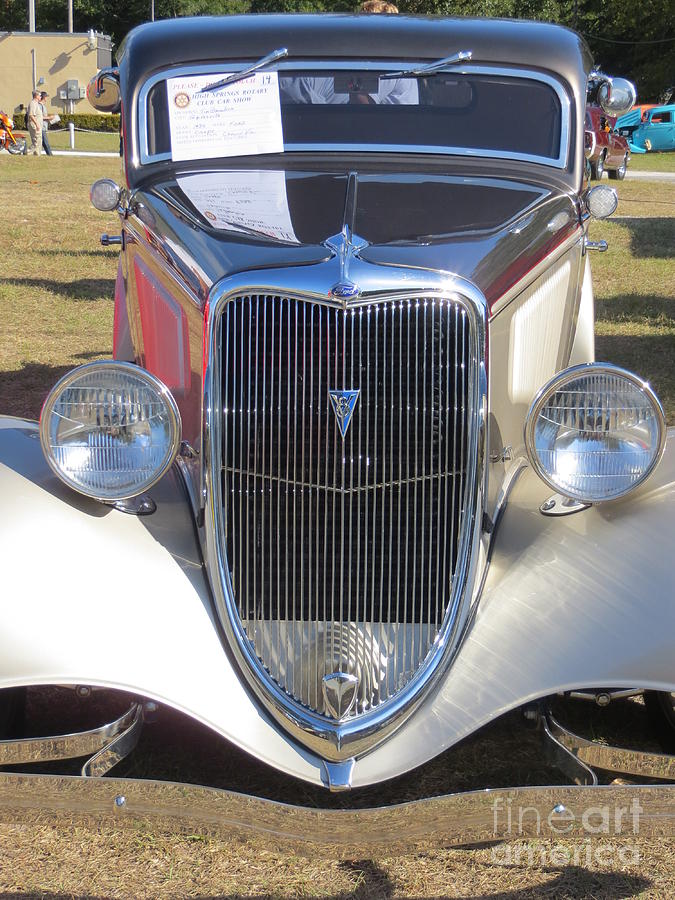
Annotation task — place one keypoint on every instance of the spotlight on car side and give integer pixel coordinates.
(105, 194)
(601, 201)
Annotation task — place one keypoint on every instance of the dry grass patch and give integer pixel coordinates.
(43, 862)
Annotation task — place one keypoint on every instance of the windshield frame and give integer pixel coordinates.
(141, 152)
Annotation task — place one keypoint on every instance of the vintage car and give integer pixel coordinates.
(655, 131)
(607, 150)
(353, 487)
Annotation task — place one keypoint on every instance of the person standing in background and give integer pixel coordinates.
(34, 119)
(379, 6)
(46, 119)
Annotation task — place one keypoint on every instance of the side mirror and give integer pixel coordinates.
(103, 91)
(616, 96)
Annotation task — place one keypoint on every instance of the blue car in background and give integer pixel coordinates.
(654, 130)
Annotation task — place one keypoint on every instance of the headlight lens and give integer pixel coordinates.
(110, 430)
(595, 432)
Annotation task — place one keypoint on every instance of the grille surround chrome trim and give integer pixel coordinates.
(329, 739)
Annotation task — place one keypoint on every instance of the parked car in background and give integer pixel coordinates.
(353, 485)
(654, 131)
(607, 150)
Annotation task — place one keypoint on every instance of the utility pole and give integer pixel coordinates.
(31, 15)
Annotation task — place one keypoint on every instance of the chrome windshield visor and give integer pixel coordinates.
(344, 489)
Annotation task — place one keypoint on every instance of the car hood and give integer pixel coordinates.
(489, 230)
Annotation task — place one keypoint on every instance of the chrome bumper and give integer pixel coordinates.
(582, 810)
(623, 812)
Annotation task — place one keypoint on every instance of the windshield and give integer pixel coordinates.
(483, 112)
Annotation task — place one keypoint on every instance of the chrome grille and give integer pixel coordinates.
(341, 552)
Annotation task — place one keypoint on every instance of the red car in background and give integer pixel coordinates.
(604, 147)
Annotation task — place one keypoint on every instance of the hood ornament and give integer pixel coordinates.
(346, 246)
(339, 693)
(343, 403)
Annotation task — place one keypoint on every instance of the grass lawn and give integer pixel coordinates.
(56, 308)
(108, 141)
(57, 282)
(634, 285)
(105, 141)
(653, 162)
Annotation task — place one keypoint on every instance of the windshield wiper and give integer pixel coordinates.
(239, 76)
(432, 68)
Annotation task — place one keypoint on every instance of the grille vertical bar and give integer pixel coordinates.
(342, 551)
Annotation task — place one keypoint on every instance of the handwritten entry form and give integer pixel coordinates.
(240, 119)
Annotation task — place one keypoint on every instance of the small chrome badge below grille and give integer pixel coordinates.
(343, 406)
(339, 693)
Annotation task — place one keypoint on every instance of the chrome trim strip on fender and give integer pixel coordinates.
(339, 740)
(508, 814)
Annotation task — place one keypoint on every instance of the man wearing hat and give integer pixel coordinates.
(34, 121)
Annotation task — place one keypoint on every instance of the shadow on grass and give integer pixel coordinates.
(652, 357)
(649, 237)
(80, 289)
(376, 884)
(642, 308)
(23, 391)
(655, 353)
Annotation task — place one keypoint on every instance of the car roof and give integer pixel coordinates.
(210, 38)
(669, 107)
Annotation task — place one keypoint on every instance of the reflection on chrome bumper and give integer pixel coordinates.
(495, 815)
(105, 746)
(659, 766)
(582, 809)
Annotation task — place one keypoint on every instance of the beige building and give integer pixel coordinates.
(57, 62)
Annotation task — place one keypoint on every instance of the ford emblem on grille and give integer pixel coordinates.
(343, 407)
(339, 693)
(345, 290)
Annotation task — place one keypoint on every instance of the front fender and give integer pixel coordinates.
(90, 595)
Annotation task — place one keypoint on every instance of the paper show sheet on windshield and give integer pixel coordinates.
(242, 201)
(239, 119)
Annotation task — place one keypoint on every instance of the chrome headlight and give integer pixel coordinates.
(110, 430)
(595, 432)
